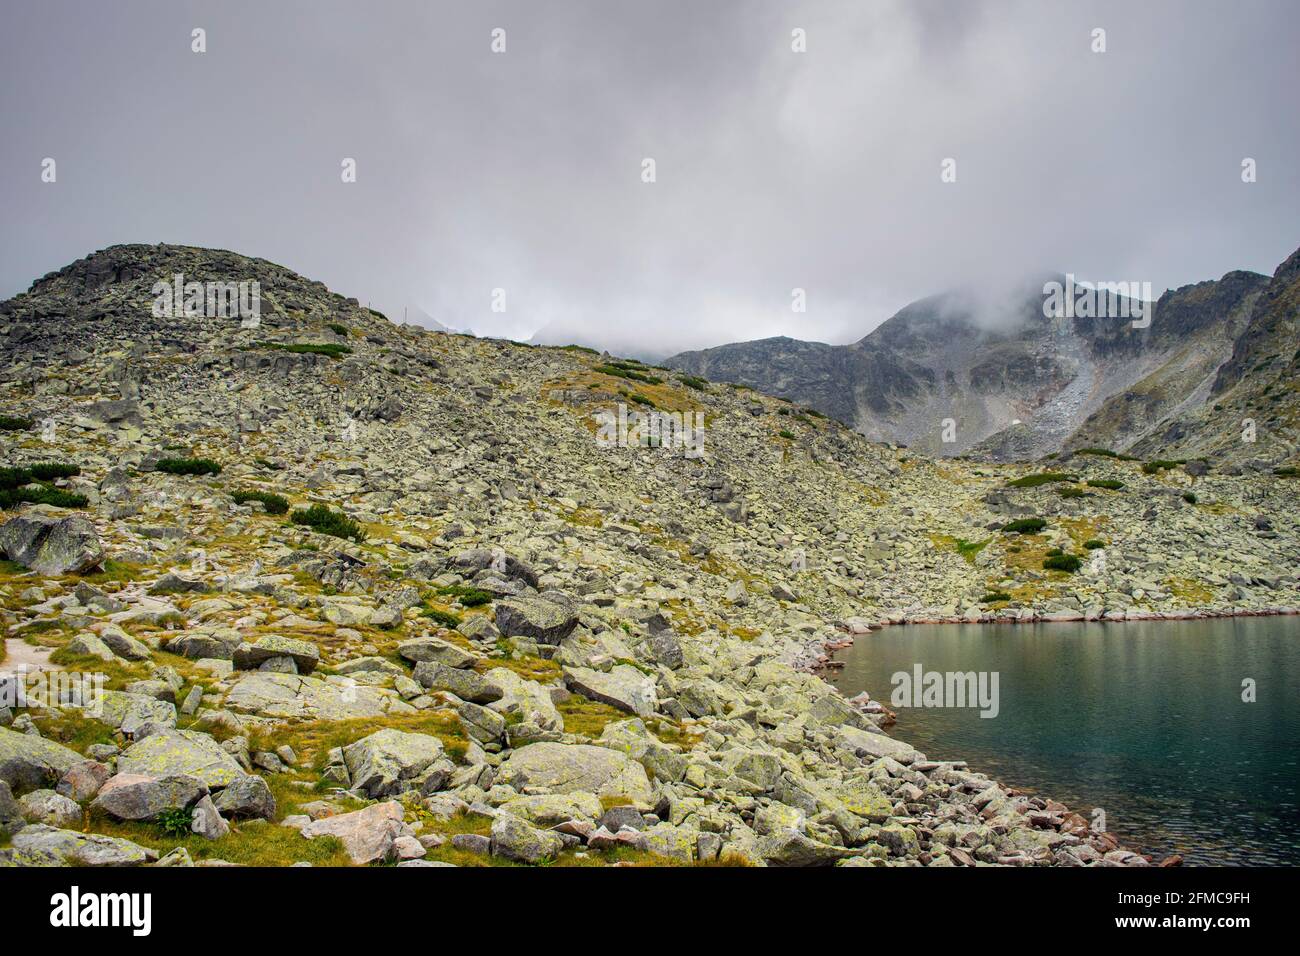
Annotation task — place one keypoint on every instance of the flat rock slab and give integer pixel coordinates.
(623, 687)
(181, 752)
(577, 768)
(287, 696)
(547, 619)
(304, 654)
(367, 834)
(41, 845)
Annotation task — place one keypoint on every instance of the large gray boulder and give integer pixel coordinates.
(622, 686)
(249, 796)
(577, 768)
(51, 545)
(181, 752)
(46, 806)
(436, 649)
(289, 696)
(131, 713)
(131, 796)
(389, 761)
(548, 618)
(517, 840)
(304, 654)
(41, 845)
(465, 684)
(366, 834)
(28, 762)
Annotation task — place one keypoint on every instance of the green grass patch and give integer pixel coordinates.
(11, 423)
(467, 596)
(1092, 544)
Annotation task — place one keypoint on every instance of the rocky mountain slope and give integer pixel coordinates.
(365, 592)
(1014, 384)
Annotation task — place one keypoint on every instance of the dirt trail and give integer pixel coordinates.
(21, 655)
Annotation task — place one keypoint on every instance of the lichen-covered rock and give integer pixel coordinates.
(181, 753)
(548, 618)
(366, 834)
(390, 761)
(289, 696)
(249, 796)
(577, 768)
(304, 654)
(28, 762)
(50, 544)
(622, 686)
(40, 845)
(133, 796)
(436, 649)
(552, 809)
(515, 839)
(46, 806)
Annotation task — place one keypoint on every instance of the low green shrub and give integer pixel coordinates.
(335, 523)
(466, 595)
(994, 597)
(787, 435)
(1104, 453)
(1110, 484)
(339, 329)
(188, 466)
(41, 495)
(1025, 526)
(1160, 464)
(1070, 491)
(445, 618)
(273, 503)
(1068, 563)
(10, 423)
(1189, 497)
(333, 350)
(175, 821)
(1042, 478)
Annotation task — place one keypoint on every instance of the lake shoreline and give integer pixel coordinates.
(828, 665)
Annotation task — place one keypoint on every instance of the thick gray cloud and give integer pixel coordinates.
(775, 169)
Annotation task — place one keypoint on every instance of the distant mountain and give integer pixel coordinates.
(1012, 383)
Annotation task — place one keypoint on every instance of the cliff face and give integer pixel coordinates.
(1012, 384)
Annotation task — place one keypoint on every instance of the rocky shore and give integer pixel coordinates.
(363, 593)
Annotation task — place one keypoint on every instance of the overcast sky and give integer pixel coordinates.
(522, 170)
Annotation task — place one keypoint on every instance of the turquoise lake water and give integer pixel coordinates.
(1144, 720)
